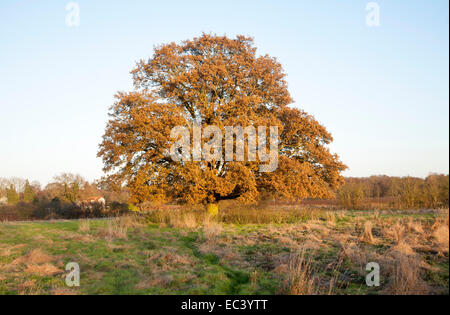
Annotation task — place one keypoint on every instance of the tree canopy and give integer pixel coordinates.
(12, 195)
(213, 80)
(28, 192)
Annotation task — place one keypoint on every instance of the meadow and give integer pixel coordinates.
(243, 250)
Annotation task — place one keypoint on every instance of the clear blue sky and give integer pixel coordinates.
(381, 91)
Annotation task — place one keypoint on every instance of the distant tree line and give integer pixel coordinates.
(395, 192)
(60, 199)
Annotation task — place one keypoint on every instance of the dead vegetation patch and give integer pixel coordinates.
(227, 255)
(299, 275)
(115, 228)
(211, 229)
(43, 270)
(35, 262)
(405, 276)
(36, 256)
(441, 235)
(396, 232)
(367, 235)
(168, 259)
(161, 280)
(7, 251)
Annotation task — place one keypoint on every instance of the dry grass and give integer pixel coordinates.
(5, 251)
(299, 275)
(211, 229)
(415, 226)
(185, 220)
(116, 228)
(43, 270)
(330, 217)
(226, 254)
(36, 262)
(396, 232)
(276, 215)
(376, 215)
(84, 226)
(168, 259)
(367, 235)
(133, 221)
(238, 215)
(155, 280)
(254, 276)
(405, 278)
(441, 235)
(402, 248)
(357, 255)
(36, 256)
(341, 214)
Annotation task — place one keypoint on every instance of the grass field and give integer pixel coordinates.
(291, 251)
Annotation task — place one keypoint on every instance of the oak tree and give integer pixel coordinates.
(213, 81)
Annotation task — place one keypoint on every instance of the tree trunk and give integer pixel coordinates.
(212, 208)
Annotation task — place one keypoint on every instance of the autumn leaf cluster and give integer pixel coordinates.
(213, 80)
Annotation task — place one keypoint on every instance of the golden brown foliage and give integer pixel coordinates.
(213, 80)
